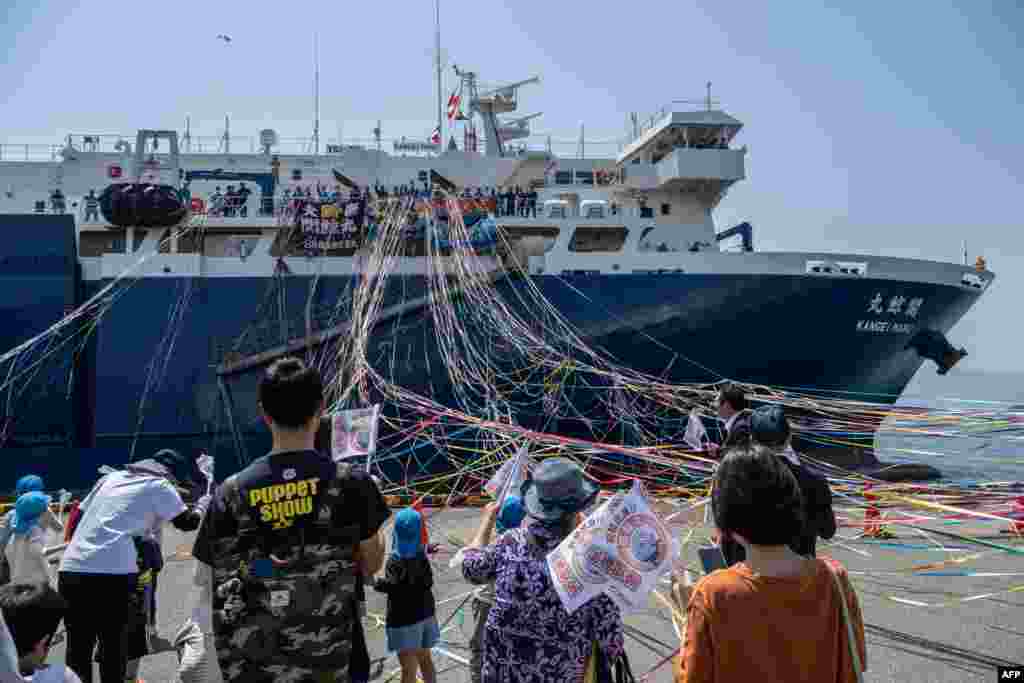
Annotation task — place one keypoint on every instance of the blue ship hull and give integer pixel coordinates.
(147, 376)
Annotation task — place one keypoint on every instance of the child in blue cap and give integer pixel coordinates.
(411, 622)
(26, 549)
(510, 516)
(30, 483)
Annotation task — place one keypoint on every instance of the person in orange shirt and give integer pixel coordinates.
(776, 616)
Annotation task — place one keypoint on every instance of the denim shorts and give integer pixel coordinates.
(422, 635)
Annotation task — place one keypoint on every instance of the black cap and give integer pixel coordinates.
(180, 468)
(769, 426)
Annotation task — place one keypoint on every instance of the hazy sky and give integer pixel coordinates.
(888, 128)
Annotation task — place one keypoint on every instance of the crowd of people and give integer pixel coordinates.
(285, 547)
(234, 201)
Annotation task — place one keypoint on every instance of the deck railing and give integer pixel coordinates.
(29, 152)
(660, 113)
(329, 147)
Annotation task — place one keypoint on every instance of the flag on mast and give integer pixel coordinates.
(453, 106)
(435, 137)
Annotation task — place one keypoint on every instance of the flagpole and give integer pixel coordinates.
(437, 59)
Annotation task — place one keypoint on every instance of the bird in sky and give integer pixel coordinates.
(225, 38)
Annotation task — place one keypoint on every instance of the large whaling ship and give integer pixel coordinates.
(625, 247)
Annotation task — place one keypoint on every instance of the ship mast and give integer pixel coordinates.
(316, 94)
(437, 66)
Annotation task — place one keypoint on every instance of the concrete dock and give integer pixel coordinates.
(919, 627)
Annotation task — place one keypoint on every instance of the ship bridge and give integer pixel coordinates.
(684, 147)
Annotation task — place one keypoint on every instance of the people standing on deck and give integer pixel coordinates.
(510, 516)
(411, 621)
(531, 202)
(99, 571)
(57, 201)
(216, 202)
(92, 207)
(231, 202)
(295, 527)
(243, 200)
(510, 201)
(529, 637)
(783, 615)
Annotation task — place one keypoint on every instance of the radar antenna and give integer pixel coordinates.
(491, 102)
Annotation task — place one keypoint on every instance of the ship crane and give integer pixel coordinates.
(491, 102)
(514, 129)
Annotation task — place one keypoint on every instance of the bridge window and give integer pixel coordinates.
(585, 177)
(91, 244)
(532, 240)
(563, 177)
(605, 239)
(646, 212)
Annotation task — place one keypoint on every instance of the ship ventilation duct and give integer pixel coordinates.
(744, 230)
(143, 206)
(934, 346)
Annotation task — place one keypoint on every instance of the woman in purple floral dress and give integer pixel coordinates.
(530, 638)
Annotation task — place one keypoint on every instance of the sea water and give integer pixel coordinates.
(983, 441)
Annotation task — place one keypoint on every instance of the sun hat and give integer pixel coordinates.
(406, 539)
(768, 426)
(557, 488)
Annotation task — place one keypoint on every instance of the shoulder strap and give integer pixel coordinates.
(850, 638)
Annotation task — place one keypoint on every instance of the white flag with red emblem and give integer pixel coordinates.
(453, 106)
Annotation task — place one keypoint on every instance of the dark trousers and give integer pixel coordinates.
(359, 664)
(99, 605)
(481, 610)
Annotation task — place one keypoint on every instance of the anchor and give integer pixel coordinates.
(934, 346)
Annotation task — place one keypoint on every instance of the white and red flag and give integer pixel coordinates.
(453, 106)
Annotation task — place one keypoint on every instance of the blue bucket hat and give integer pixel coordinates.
(30, 482)
(769, 426)
(405, 538)
(557, 488)
(511, 514)
(27, 510)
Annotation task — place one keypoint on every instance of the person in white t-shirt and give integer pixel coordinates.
(99, 570)
(32, 612)
(26, 549)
